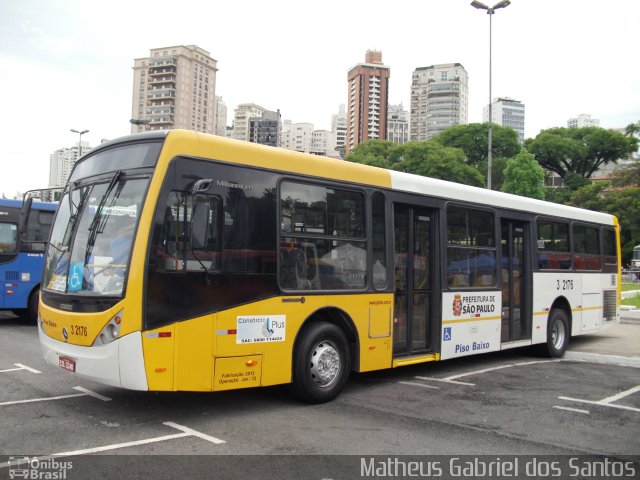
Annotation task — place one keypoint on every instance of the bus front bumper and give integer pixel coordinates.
(119, 363)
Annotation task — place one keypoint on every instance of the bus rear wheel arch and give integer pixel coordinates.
(321, 362)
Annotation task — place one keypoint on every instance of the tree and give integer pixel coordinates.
(524, 176)
(580, 150)
(628, 175)
(429, 159)
(623, 202)
(473, 140)
(632, 130)
(373, 152)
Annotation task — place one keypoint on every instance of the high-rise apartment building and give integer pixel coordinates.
(439, 99)
(339, 128)
(175, 87)
(323, 143)
(242, 115)
(61, 163)
(398, 124)
(220, 123)
(368, 98)
(583, 120)
(507, 112)
(265, 129)
(297, 136)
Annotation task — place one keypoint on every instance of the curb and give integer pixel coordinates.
(630, 316)
(633, 362)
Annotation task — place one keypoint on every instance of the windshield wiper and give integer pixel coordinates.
(97, 225)
(98, 216)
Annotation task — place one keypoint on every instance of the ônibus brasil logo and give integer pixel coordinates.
(457, 305)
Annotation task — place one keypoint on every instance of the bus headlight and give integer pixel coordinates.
(110, 332)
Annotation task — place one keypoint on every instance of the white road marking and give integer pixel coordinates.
(577, 410)
(453, 378)
(195, 433)
(85, 393)
(46, 399)
(608, 402)
(485, 370)
(184, 432)
(620, 395)
(415, 384)
(92, 394)
(115, 446)
(20, 367)
(444, 380)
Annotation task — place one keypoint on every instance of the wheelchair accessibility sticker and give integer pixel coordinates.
(75, 277)
(447, 334)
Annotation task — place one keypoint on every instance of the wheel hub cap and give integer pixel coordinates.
(325, 364)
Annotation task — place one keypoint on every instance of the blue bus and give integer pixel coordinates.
(22, 254)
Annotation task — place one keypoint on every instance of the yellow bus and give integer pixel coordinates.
(185, 261)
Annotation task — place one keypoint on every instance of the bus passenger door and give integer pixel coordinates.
(516, 324)
(412, 332)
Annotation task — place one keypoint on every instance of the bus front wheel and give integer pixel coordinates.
(32, 310)
(558, 334)
(321, 363)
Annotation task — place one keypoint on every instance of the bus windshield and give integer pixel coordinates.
(92, 237)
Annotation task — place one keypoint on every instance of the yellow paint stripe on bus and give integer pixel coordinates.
(585, 309)
(465, 320)
(402, 362)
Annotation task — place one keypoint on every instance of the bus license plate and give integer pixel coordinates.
(67, 363)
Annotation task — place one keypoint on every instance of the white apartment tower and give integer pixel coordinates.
(297, 136)
(397, 124)
(221, 117)
(175, 87)
(583, 120)
(61, 163)
(243, 113)
(323, 143)
(339, 127)
(507, 112)
(439, 99)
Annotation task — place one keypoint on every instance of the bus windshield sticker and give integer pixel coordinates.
(261, 328)
(75, 276)
(58, 283)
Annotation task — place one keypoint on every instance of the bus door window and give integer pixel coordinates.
(471, 248)
(174, 251)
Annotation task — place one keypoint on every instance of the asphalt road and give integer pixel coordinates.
(510, 403)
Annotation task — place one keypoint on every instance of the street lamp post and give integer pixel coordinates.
(490, 12)
(80, 133)
(139, 122)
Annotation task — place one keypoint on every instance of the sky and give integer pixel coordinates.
(69, 64)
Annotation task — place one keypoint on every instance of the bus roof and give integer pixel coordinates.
(9, 202)
(253, 154)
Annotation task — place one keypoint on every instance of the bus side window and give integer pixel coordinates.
(8, 238)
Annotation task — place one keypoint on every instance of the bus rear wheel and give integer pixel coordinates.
(558, 334)
(321, 363)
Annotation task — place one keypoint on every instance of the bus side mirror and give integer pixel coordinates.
(24, 216)
(199, 225)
